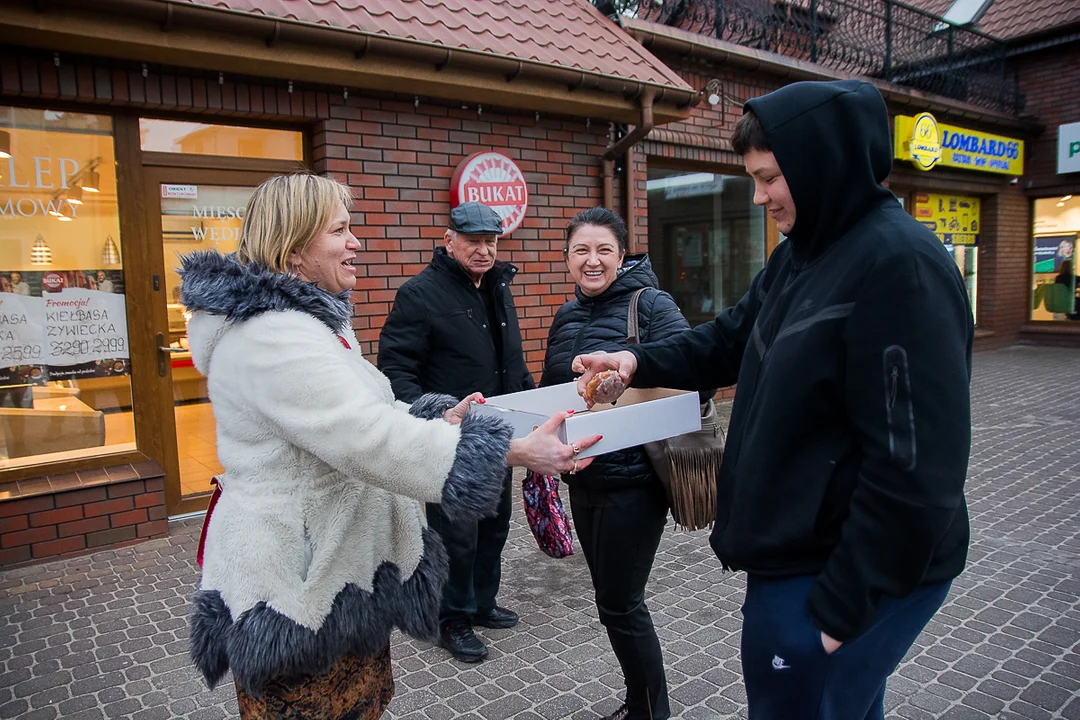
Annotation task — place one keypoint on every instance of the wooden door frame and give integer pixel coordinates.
(157, 398)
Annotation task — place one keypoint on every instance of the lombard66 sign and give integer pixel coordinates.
(495, 180)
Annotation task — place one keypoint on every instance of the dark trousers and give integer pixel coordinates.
(474, 549)
(789, 675)
(619, 531)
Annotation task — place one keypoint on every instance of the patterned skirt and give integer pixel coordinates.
(354, 689)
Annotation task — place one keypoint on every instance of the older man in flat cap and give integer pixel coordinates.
(454, 329)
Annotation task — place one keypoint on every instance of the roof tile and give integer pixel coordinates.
(567, 33)
(1007, 19)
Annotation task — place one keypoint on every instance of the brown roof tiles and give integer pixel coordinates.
(565, 33)
(1008, 19)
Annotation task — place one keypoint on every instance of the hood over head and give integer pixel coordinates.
(833, 145)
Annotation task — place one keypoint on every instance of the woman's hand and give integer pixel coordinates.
(589, 365)
(542, 452)
(456, 414)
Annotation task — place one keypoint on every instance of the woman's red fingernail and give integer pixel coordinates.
(569, 412)
(599, 438)
(481, 400)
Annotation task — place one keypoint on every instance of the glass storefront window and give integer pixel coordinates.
(967, 259)
(65, 389)
(172, 136)
(957, 221)
(195, 217)
(1054, 283)
(706, 238)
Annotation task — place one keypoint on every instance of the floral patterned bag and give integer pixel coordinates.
(546, 515)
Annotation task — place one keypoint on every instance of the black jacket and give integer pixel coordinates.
(851, 427)
(588, 324)
(436, 338)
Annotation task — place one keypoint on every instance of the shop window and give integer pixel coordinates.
(65, 389)
(707, 239)
(1054, 282)
(193, 138)
(956, 220)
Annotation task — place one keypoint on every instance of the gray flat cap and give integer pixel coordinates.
(473, 218)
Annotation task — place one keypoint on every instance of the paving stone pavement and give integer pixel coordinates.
(105, 635)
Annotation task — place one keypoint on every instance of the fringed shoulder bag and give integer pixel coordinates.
(687, 465)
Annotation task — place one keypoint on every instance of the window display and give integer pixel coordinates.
(65, 390)
(1055, 287)
(956, 220)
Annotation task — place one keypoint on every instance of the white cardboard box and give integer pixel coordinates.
(638, 417)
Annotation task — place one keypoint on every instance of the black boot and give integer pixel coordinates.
(497, 618)
(621, 714)
(458, 637)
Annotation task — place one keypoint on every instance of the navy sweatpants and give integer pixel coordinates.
(787, 672)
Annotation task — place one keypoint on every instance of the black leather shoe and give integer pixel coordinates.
(621, 714)
(498, 618)
(458, 637)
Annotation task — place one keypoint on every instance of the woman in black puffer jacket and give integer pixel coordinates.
(618, 504)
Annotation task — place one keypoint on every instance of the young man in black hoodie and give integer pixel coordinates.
(841, 491)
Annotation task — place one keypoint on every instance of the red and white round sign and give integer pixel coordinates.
(53, 281)
(495, 180)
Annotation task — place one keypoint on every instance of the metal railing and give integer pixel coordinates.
(884, 39)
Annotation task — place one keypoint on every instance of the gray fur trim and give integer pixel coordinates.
(432, 405)
(209, 622)
(264, 644)
(222, 285)
(477, 476)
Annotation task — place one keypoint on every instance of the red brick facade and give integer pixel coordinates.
(118, 511)
(1050, 80)
(399, 159)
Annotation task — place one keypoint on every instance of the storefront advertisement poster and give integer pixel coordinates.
(953, 218)
(70, 324)
(84, 326)
(21, 331)
(1052, 250)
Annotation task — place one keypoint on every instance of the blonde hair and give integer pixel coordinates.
(284, 214)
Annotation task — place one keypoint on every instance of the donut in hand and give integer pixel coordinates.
(604, 388)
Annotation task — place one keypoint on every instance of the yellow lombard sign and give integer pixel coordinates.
(927, 143)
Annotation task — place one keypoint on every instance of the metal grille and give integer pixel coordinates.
(876, 38)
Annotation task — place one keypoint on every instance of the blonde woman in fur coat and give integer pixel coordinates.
(318, 545)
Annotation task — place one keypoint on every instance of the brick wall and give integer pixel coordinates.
(399, 158)
(82, 518)
(1050, 79)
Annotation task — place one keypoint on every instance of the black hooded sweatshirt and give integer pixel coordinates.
(851, 427)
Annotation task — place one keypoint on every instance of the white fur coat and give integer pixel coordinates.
(318, 544)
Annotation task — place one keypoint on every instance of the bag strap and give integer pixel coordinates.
(632, 317)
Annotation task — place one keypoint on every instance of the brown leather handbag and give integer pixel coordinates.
(687, 465)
